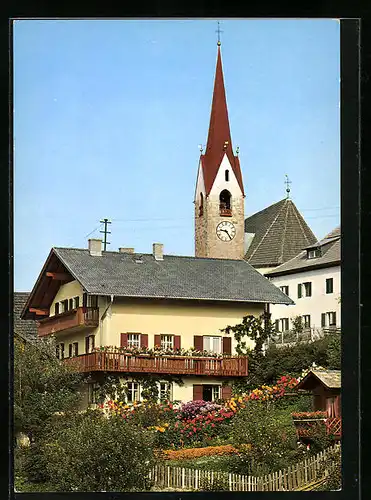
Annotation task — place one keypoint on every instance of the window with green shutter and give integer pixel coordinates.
(329, 285)
(299, 291)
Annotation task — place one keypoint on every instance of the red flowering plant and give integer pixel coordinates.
(156, 351)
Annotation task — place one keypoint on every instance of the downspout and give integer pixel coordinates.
(102, 318)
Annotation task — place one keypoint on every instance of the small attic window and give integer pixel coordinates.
(313, 253)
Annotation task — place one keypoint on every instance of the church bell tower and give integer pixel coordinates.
(219, 194)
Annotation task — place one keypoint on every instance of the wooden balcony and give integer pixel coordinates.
(174, 365)
(81, 317)
(305, 428)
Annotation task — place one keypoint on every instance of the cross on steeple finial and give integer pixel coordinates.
(287, 182)
(219, 31)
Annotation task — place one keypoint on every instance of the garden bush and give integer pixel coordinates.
(193, 408)
(219, 482)
(271, 434)
(95, 453)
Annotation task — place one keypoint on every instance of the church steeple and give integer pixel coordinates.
(219, 195)
(219, 140)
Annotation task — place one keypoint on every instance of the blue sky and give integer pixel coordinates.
(108, 116)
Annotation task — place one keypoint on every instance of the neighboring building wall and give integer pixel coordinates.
(206, 240)
(160, 317)
(178, 318)
(320, 301)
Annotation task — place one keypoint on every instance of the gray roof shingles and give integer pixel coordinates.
(330, 255)
(280, 233)
(175, 277)
(24, 328)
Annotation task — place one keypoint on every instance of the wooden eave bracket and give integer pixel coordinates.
(39, 312)
(58, 276)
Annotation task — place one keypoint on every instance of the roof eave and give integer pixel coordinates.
(273, 274)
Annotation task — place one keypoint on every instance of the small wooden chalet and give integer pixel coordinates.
(325, 386)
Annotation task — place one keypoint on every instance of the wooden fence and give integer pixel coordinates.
(296, 477)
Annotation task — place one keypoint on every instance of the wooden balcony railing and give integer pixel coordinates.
(306, 427)
(76, 318)
(176, 365)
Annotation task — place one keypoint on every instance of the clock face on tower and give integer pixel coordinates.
(225, 231)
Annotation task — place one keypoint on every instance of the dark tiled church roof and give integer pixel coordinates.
(24, 328)
(280, 234)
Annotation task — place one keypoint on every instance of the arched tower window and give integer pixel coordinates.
(225, 203)
(227, 175)
(201, 204)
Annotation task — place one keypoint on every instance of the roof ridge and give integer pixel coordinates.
(267, 231)
(296, 212)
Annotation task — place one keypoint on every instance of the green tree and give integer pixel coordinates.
(90, 452)
(43, 385)
(265, 436)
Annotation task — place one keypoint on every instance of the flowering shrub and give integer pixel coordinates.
(197, 422)
(193, 408)
(157, 351)
(226, 449)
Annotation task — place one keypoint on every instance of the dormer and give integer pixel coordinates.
(314, 252)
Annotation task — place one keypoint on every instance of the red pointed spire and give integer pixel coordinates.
(219, 140)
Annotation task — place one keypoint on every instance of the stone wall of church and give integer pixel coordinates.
(216, 248)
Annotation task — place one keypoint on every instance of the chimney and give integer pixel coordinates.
(126, 250)
(95, 247)
(158, 251)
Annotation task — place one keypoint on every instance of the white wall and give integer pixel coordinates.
(320, 302)
(220, 183)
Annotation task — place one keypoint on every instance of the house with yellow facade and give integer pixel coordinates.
(149, 314)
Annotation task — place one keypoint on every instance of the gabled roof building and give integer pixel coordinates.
(275, 235)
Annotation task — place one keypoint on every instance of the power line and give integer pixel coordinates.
(92, 231)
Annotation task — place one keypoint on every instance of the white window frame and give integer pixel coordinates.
(283, 289)
(281, 323)
(329, 317)
(213, 343)
(75, 346)
(90, 343)
(134, 340)
(304, 316)
(314, 254)
(306, 287)
(133, 390)
(167, 341)
(165, 391)
(216, 392)
(329, 280)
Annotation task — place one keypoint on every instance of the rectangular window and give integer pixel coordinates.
(331, 319)
(299, 291)
(76, 302)
(166, 390)
(216, 392)
(70, 350)
(70, 306)
(285, 324)
(213, 344)
(64, 305)
(133, 340)
(308, 289)
(75, 349)
(312, 254)
(133, 392)
(89, 343)
(306, 320)
(329, 285)
(277, 325)
(167, 341)
(56, 308)
(285, 289)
